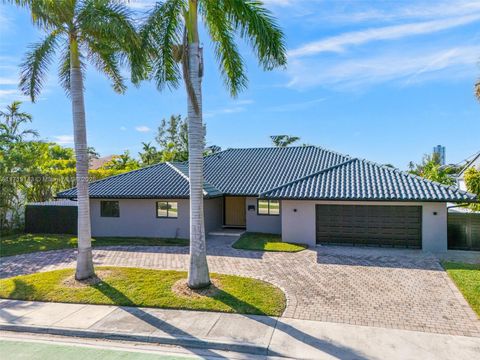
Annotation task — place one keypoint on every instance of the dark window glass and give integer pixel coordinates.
(109, 209)
(167, 209)
(268, 207)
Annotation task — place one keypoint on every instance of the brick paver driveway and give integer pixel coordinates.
(403, 289)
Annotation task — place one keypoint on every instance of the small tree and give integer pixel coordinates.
(431, 169)
(283, 140)
(472, 180)
(122, 162)
(149, 154)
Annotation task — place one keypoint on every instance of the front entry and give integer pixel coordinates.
(235, 212)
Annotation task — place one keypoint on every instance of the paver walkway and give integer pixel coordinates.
(402, 289)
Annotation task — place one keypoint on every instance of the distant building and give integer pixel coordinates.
(439, 153)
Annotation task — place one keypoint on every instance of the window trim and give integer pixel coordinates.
(268, 207)
(165, 217)
(109, 201)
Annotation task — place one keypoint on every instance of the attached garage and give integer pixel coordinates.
(369, 225)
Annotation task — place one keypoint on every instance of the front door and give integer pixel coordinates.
(235, 213)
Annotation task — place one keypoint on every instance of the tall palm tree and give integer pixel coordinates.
(172, 40)
(13, 119)
(98, 31)
(477, 90)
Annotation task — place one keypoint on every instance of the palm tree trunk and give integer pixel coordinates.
(84, 258)
(198, 275)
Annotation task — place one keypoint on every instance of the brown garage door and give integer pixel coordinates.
(392, 226)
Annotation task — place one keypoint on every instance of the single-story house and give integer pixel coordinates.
(307, 194)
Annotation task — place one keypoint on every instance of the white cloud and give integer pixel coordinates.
(63, 139)
(404, 66)
(12, 80)
(340, 42)
(123, 128)
(142, 128)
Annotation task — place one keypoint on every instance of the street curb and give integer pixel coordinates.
(152, 339)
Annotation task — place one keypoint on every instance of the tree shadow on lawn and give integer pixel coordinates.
(20, 291)
(328, 347)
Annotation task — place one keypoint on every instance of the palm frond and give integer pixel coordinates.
(107, 27)
(35, 65)
(257, 25)
(49, 14)
(161, 35)
(107, 61)
(226, 51)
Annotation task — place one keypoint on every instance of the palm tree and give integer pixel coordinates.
(477, 90)
(172, 41)
(13, 119)
(101, 32)
(149, 154)
(283, 140)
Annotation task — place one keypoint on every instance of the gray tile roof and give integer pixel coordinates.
(157, 181)
(357, 179)
(289, 173)
(254, 170)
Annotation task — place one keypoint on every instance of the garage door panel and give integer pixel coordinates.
(393, 226)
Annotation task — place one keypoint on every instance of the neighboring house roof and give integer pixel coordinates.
(278, 173)
(474, 162)
(98, 163)
(357, 179)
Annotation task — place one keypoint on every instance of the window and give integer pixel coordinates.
(268, 207)
(109, 209)
(167, 209)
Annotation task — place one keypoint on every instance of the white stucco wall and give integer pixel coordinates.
(262, 223)
(298, 221)
(138, 218)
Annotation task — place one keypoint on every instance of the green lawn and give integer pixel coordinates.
(266, 242)
(467, 279)
(148, 288)
(27, 243)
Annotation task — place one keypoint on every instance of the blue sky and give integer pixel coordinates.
(382, 80)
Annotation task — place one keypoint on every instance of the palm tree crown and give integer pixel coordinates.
(99, 31)
(166, 34)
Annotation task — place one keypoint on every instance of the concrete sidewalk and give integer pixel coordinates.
(260, 335)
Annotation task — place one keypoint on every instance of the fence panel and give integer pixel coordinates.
(464, 231)
(51, 219)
